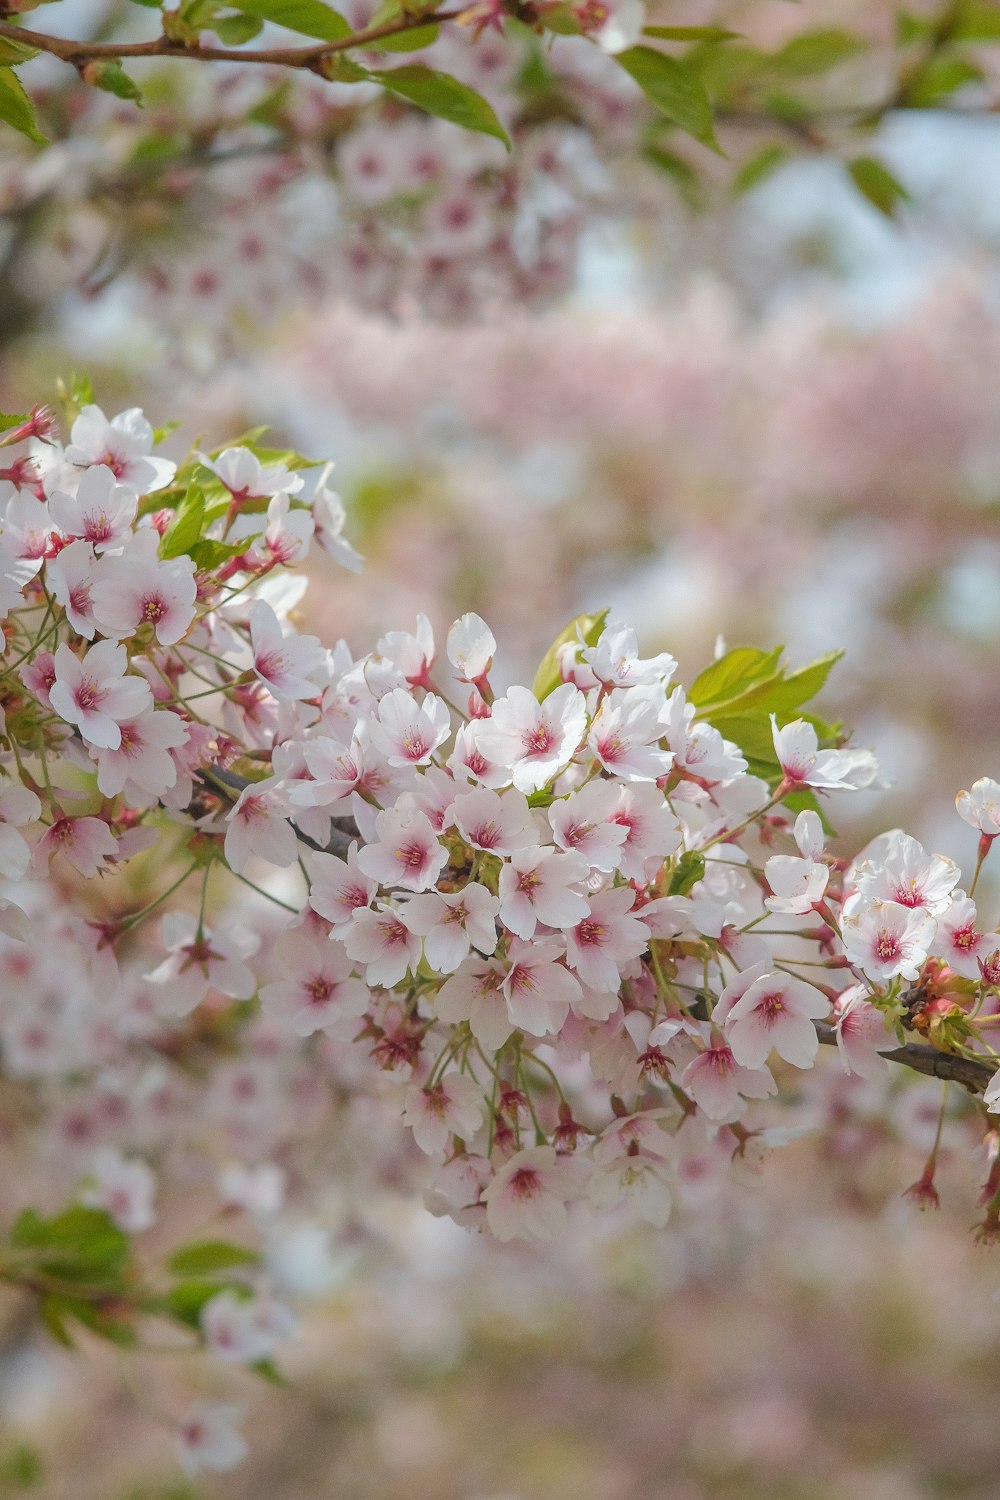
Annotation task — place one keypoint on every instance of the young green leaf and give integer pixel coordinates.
(689, 33)
(409, 41)
(759, 166)
(675, 89)
(14, 52)
(109, 75)
(16, 108)
(690, 869)
(9, 419)
(233, 31)
(816, 52)
(441, 95)
(585, 628)
(186, 528)
(732, 675)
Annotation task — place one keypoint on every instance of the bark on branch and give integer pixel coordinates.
(970, 1073)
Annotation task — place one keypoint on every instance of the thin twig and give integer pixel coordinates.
(967, 1071)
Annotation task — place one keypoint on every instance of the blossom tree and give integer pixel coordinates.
(577, 926)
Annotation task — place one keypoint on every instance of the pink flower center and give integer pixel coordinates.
(319, 989)
(591, 933)
(770, 1008)
(412, 856)
(414, 745)
(525, 1184)
(538, 741)
(153, 609)
(887, 947)
(88, 695)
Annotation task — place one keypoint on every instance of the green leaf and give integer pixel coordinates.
(689, 33)
(109, 75)
(873, 179)
(186, 528)
(978, 22)
(205, 1256)
(690, 869)
(441, 95)
(586, 629)
(14, 52)
(937, 79)
(307, 17)
(816, 52)
(759, 166)
(798, 687)
(732, 675)
(9, 419)
(268, 1370)
(208, 554)
(159, 433)
(16, 108)
(21, 1467)
(675, 89)
(83, 1241)
(233, 31)
(408, 41)
(184, 1303)
(681, 173)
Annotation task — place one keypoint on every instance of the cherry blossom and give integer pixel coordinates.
(383, 943)
(258, 825)
(18, 807)
(451, 1107)
(316, 992)
(404, 851)
(101, 512)
(207, 1439)
(804, 764)
(138, 588)
(471, 647)
(452, 924)
(537, 988)
(539, 885)
(497, 823)
(528, 1196)
(535, 740)
(718, 1084)
(199, 959)
(338, 887)
(124, 1187)
(286, 663)
(980, 807)
(124, 445)
(602, 944)
(777, 1012)
(888, 940)
(94, 692)
(408, 733)
(141, 762)
(624, 734)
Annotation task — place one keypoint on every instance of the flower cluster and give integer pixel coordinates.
(578, 927)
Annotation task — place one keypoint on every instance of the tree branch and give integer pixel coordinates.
(970, 1073)
(310, 57)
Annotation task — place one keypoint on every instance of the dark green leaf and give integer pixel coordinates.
(873, 179)
(308, 17)
(441, 95)
(585, 629)
(675, 89)
(184, 1303)
(81, 1241)
(206, 1256)
(16, 108)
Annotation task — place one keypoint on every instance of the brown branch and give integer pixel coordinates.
(948, 1066)
(79, 52)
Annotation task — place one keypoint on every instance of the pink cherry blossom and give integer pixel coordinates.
(451, 924)
(94, 693)
(474, 993)
(528, 1196)
(207, 1439)
(888, 940)
(606, 939)
(535, 740)
(405, 850)
(138, 588)
(124, 445)
(258, 825)
(538, 885)
(411, 655)
(406, 732)
(718, 1084)
(317, 991)
(538, 989)
(338, 887)
(73, 575)
(615, 661)
(497, 823)
(861, 1034)
(199, 959)
(776, 1012)
(246, 478)
(87, 843)
(803, 763)
(101, 512)
(906, 874)
(451, 1107)
(330, 519)
(585, 823)
(625, 732)
(383, 944)
(124, 1187)
(471, 647)
(980, 807)
(957, 939)
(141, 763)
(288, 664)
(18, 807)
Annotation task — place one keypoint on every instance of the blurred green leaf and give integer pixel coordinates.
(939, 77)
(681, 173)
(409, 41)
(873, 179)
(205, 1256)
(14, 52)
(9, 419)
(689, 33)
(760, 166)
(21, 1467)
(978, 21)
(675, 89)
(816, 52)
(233, 31)
(80, 1242)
